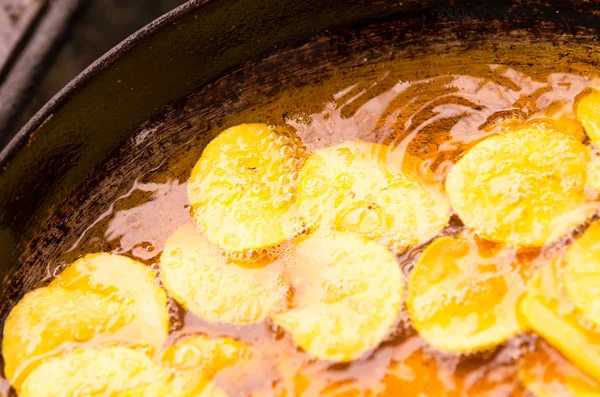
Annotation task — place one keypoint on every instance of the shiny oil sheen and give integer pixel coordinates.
(433, 104)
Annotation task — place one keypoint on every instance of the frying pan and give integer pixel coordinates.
(171, 83)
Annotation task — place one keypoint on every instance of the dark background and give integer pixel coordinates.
(96, 27)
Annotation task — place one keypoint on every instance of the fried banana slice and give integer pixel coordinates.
(113, 371)
(564, 124)
(357, 187)
(48, 320)
(523, 188)
(546, 373)
(130, 281)
(347, 295)
(593, 178)
(217, 289)
(243, 186)
(548, 311)
(197, 359)
(588, 113)
(463, 294)
(582, 274)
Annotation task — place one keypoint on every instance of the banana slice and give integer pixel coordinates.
(243, 186)
(582, 274)
(131, 281)
(355, 187)
(588, 113)
(546, 373)
(347, 295)
(549, 312)
(101, 297)
(48, 319)
(462, 295)
(216, 289)
(563, 124)
(593, 178)
(113, 371)
(198, 359)
(522, 188)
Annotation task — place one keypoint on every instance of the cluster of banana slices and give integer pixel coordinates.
(99, 329)
(310, 241)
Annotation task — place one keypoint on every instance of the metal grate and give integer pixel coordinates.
(17, 19)
(45, 43)
(31, 33)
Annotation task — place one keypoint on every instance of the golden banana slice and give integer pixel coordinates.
(217, 289)
(563, 124)
(347, 295)
(463, 294)
(243, 186)
(588, 113)
(197, 359)
(522, 188)
(113, 371)
(546, 373)
(582, 274)
(132, 282)
(593, 178)
(48, 319)
(549, 312)
(357, 187)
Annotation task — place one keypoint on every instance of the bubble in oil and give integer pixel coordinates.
(176, 315)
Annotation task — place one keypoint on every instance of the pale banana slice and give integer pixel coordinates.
(217, 289)
(113, 371)
(48, 320)
(197, 359)
(243, 186)
(130, 281)
(358, 187)
(548, 311)
(582, 274)
(523, 188)
(546, 373)
(347, 295)
(463, 294)
(588, 113)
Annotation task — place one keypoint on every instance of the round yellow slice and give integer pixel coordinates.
(546, 373)
(217, 289)
(357, 187)
(588, 113)
(522, 188)
(113, 371)
(582, 273)
(462, 295)
(347, 295)
(197, 359)
(132, 282)
(548, 311)
(593, 178)
(48, 319)
(563, 124)
(243, 186)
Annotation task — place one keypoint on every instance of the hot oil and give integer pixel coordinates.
(433, 107)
